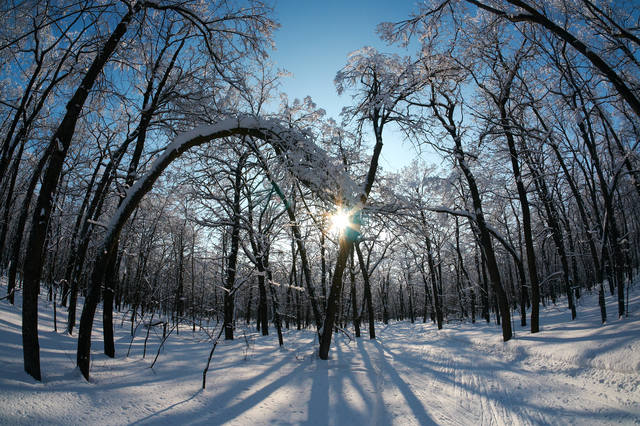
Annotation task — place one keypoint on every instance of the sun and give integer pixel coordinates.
(339, 221)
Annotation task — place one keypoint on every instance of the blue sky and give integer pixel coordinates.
(313, 43)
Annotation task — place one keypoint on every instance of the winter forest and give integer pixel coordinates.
(183, 243)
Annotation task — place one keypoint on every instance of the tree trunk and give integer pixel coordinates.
(526, 223)
(354, 297)
(16, 244)
(233, 253)
(262, 304)
(13, 173)
(107, 310)
(433, 276)
(58, 147)
(489, 254)
(367, 292)
(306, 269)
(276, 314)
(556, 231)
(345, 246)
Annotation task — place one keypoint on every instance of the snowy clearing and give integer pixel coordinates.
(570, 373)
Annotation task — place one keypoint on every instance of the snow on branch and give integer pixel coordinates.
(291, 286)
(472, 216)
(295, 148)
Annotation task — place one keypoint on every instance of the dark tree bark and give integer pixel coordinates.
(484, 287)
(384, 297)
(448, 122)
(323, 265)
(367, 292)
(409, 287)
(276, 309)
(58, 147)
(73, 249)
(13, 174)
(463, 270)
(526, 218)
(150, 104)
(94, 210)
(299, 241)
(304, 258)
(344, 250)
(433, 277)
(556, 230)
(232, 260)
(107, 310)
(263, 316)
(248, 309)
(354, 297)
(578, 198)
(16, 244)
(346, 245)
(179, 298)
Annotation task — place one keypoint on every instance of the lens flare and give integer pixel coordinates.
(339, 221)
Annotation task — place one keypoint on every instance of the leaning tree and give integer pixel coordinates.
(304, 159)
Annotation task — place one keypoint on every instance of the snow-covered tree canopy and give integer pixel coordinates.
(304, 159)
(382, 80)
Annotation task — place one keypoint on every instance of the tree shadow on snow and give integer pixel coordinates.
(414, 402)
(484, 381)
(318, 405)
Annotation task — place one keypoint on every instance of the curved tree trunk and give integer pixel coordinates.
(227, 128)
(58, 147)
(16, 244)
(8, 203)
(347, 240)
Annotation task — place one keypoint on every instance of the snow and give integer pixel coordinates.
(570, 373)
(308, 162)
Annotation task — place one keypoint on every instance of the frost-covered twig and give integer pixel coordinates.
(213, 348)
(164, 339)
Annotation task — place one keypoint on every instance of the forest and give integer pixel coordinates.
(152, 174)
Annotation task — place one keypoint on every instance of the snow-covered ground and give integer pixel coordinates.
(570, 373)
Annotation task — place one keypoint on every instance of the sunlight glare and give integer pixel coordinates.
(339, 221)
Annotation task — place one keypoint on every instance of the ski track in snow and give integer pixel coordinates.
(576, 373)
